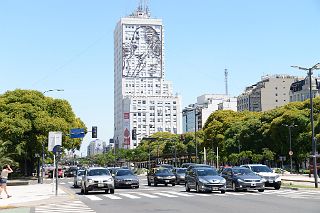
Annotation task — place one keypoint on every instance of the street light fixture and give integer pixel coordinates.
(314, 143)
(290, 148)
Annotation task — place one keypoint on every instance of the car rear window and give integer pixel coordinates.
(260, 169)
(206, 172)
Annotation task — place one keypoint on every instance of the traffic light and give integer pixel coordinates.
(94, 132)
(134, 134)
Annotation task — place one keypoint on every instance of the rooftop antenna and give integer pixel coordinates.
(226, 80)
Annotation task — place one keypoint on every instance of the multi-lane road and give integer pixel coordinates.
(176, 199)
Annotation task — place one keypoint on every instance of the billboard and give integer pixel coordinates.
(126, 127)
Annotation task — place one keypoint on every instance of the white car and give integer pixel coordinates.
(78, 178)
(97, 179)
(272, 179)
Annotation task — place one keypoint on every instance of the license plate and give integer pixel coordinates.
(167, 181)
(270, 181)
(128, 182)
(253, 184)
(100, 185)
(215, 188)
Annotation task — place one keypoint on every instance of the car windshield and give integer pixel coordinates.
(98, 172)
(242, 171)
(261, 169)
(163, 171)
(124, 172)
(80, 172)
(206, 172)
(181, 171)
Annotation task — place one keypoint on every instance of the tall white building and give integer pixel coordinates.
(143, 99)
(96, 147)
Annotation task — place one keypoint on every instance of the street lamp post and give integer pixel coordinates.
(314, 143)
(42, 164)
(290, 148)
(195, 129)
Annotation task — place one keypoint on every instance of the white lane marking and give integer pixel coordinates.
(164, 194)
(113, 197)
(201, 195)
(147, 195)
(92, 197)
(178, 193)
(130, 196)
(234, 193)
(71, 182)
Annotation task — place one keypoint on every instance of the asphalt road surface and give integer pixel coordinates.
(176, 199)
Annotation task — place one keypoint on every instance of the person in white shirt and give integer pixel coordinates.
(4, 178)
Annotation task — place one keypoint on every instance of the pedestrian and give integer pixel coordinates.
(4, 178)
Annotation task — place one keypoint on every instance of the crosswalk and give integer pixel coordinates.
(73, 206)
(302, 194)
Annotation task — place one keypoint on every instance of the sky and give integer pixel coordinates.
(68, 44)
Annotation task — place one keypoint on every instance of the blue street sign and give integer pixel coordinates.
(77, 133)
(57, 149)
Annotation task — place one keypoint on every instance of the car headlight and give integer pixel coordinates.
(223, 181)
(240, 180)
(90, 181)
(263, 180)
(158, 177)
(109, 179)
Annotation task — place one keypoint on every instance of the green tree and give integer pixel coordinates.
(27, 116)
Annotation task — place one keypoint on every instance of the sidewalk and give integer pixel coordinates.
(299, 179)
(26, 196)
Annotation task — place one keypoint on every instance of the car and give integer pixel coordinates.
(186, 165)
(60, 173)
(77, 178)
(272, 179)
(113, 170)
(97, 179)
(180, 174)
(125, 178)
(160, 175)
(168, 166)
(241, 178)
(71, 171)
(195, 165)
(204, 179)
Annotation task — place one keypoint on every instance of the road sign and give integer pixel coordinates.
(77, 133)
(290, 153)
(54, 138)
(57, 149)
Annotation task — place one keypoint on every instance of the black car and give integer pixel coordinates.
(125, 178)
(240, 178)
(167, 166)
(180, 175)
(186, 165)
(71, 171)
(204, 179)
(161, 175)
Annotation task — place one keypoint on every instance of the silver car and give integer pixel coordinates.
(78, 178)
(97, 179)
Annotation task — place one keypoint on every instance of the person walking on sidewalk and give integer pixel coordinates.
(4, 178)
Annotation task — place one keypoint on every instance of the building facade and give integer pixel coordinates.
(143, 99)
(269, 93)
(300, 90)
(96, 147)
(195, 115)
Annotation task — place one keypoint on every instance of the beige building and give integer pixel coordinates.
(269, 93)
